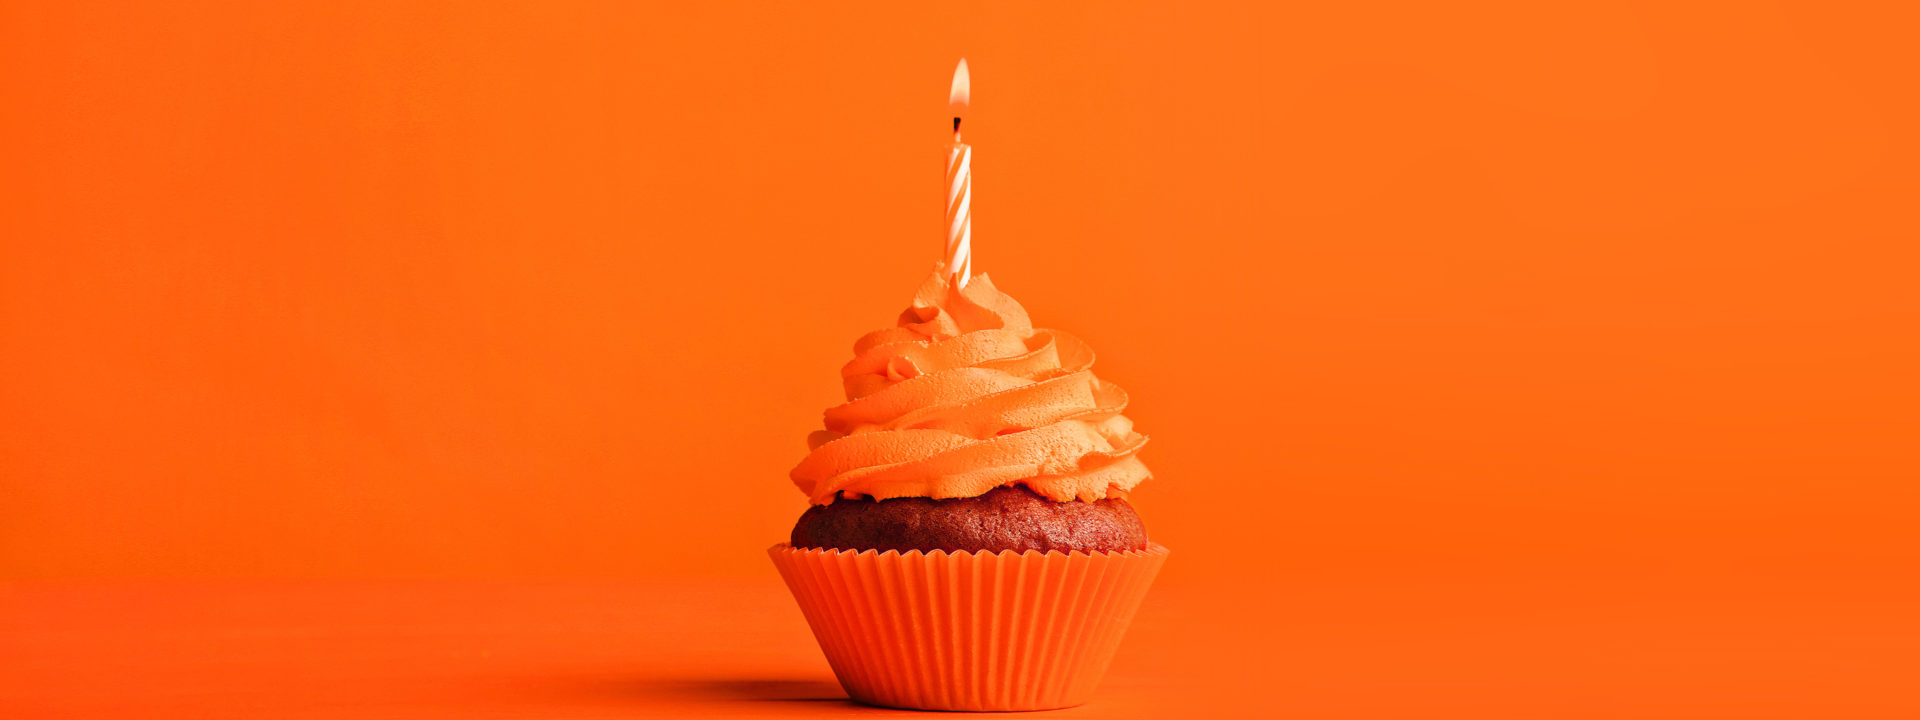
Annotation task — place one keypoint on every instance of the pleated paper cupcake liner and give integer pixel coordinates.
(968, 631)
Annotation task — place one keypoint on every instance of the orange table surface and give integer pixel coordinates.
(739, 648)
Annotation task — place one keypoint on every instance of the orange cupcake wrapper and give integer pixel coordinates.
(968, 631)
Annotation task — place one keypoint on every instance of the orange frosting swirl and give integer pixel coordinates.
(965, 396)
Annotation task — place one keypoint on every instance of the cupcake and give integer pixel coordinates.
(969, 544)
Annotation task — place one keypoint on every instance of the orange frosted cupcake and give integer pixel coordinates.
(970, 545)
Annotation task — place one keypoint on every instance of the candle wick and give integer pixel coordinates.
(956, 126)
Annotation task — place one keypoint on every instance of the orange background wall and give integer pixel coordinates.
(1621, 294)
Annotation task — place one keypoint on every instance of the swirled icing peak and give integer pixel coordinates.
(964, 396)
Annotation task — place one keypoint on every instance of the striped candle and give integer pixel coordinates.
(959, 186)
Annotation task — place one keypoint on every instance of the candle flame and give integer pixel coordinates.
(962, 87)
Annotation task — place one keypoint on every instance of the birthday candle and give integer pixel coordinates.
(959, 186)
